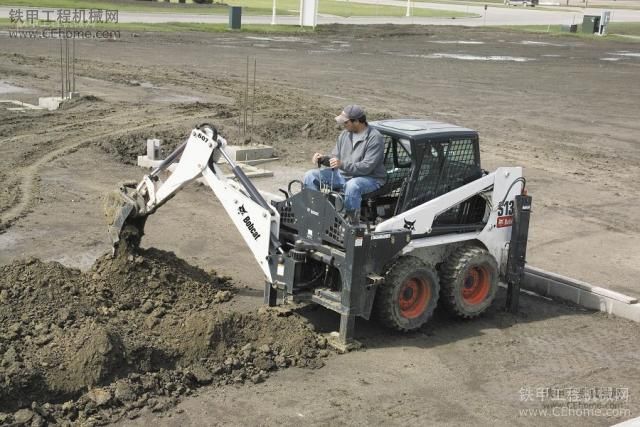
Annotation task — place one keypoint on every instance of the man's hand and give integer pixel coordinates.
(335, 163)
(315, 158)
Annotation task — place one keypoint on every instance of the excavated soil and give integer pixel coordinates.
(92, 347)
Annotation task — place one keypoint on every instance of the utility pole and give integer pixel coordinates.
(273, 13)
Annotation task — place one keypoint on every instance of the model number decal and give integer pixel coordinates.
(203, 137)
(506, 208)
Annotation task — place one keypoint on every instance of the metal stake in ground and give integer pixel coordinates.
(246, 101)
(253, 98)
(61, 72)
(74, 64)
(66, 63)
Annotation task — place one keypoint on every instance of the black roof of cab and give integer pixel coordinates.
(419, 129)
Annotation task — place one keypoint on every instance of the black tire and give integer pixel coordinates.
(409, 295)
(469, 281)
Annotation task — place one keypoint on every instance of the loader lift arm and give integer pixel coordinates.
(257, 222)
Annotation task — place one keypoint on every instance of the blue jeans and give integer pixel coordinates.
(353, 188)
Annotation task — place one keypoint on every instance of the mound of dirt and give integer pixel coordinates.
(138, 330)
(214, 110)
(316, 124)
(128, 147)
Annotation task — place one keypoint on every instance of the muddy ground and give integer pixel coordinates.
(564, 108)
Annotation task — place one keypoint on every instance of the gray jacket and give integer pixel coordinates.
(365, 158)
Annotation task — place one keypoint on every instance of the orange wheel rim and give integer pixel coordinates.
(415, 294)
(476, 285)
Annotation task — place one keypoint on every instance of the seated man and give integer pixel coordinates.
(357, 161)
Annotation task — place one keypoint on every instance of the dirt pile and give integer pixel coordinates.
(312, 124)
(126, 148)
(136, 331)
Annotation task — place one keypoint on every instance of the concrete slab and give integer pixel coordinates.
(556, 286)
(51, 103)
(579, 284)
(19, 105)
(241, 153)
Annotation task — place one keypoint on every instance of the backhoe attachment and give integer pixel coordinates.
(254, 217)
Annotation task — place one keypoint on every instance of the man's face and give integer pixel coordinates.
(349, 125)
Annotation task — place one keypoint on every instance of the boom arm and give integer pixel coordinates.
(256, 221)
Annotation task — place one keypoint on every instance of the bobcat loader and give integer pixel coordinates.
(440, 231)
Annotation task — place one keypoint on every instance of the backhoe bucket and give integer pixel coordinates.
(125, 223)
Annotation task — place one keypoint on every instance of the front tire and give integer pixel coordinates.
(469, 281)
(409, 295)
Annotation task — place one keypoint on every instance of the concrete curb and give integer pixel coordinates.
(556, 286)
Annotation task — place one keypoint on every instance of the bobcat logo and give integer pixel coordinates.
(242, 210)
(409, 225)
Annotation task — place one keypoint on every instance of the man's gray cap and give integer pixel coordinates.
(350, 112)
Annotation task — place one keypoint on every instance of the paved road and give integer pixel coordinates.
(493, 16)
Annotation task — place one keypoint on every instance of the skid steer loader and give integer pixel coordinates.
(441, 230)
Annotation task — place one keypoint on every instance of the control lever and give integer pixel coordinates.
(324, 161)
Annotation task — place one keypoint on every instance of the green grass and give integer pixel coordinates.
(613, 31)
(208, 28)
(250, 7)
(346, 8)
(574, 5)
(625, 28)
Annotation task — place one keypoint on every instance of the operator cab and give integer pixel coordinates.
(425, 159)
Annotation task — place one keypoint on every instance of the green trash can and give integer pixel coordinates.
(590, 24)
(235, 17)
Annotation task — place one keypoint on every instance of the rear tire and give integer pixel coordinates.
(469, 280)
(408, 298)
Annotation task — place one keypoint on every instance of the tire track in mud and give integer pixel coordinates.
(64, 127)
(29, 174)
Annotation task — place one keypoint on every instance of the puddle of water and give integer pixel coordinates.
(274, 39)
(552, 56)
(9, 88)
(264, 39)
(455, 42)
(610, 59)
(333, 49)
(534, 43)
(465, 57)
(626, 53)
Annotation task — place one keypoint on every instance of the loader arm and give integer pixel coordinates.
(256, 221)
